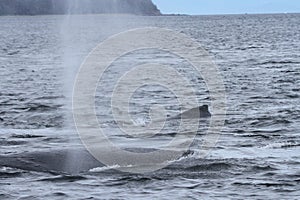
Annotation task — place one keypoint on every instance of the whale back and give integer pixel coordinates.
(197, 112)
(56, 161)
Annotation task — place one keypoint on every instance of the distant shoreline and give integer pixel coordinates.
(66, 7)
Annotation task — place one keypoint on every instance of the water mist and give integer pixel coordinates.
(78, 41)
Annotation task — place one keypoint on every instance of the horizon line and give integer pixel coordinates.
(245, 13)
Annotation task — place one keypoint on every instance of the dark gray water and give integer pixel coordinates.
(257, 156)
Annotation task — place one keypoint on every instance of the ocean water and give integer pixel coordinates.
(256, 156)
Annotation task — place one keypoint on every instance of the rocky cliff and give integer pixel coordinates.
(48, 7)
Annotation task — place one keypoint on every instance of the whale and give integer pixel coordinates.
(194, 113)
(74, 161)
(59, 161)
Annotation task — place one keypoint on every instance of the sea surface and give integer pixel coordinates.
(257, 155)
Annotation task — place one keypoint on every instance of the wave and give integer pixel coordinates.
(279, 145)
(26, 136)
(105, 168)
(64, 178)
(6, 172)
(12, 143)
(217, 166)
(249, 47)
(274, 62)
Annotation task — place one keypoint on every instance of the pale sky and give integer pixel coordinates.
(227, 6)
